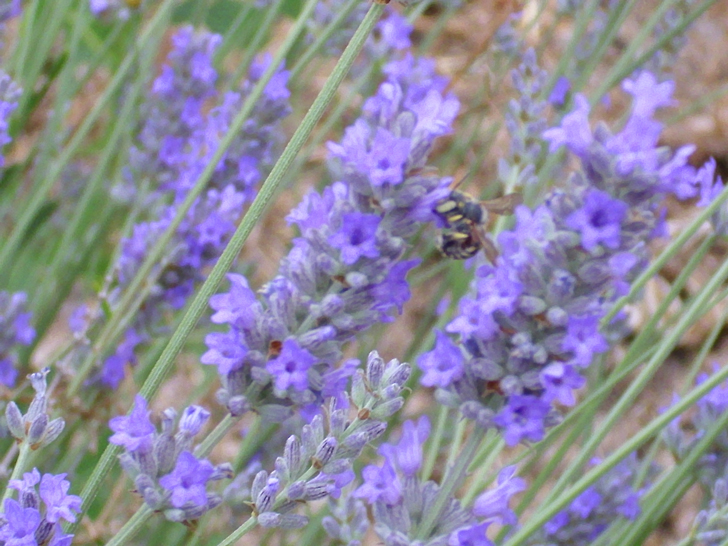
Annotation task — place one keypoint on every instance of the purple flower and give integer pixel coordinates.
(599, 220)
(533, 317)
(493, 504)
(559, 381)
(583, 339)
(575, 132)
(522, 418)
(407, 455)
(346, 271)
(28, 483)
(114, 367)
(380, 484)
(193, 419)
(558, 93)
(185, 122)
(187, 482)
(470, 536)
(21, 524)
(225, 350)
(237, 306)
(35, 518)
(10, 9)
(442, 365)
(290, 368)
(387, 158)
(597, 507)
(134, 431)
(356, 237)
(395, 30)
(15, 330)
(59, 504)
(584, 504)
(166, 475)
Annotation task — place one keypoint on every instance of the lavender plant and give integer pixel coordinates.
(534, 320)
(148, 143)
(346, 272)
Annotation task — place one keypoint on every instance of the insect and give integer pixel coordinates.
(465, 218)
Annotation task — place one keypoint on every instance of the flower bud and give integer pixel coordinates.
(15, 421)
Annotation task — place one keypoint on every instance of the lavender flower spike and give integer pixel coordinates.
(345, 272)
(166, 474)
(35, 517)
(533, 320)
(15, 331)
(401, 501)
(176, 142)
(317, 463)
(35, 426)
(590, 514)
(711, 523)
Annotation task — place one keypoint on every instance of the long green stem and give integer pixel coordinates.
(262, 30)
(131, 527)
(343, 13)
(21, 464)
(452, 480)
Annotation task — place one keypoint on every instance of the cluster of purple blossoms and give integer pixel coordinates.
(9, 94)
(710, 187)
(401, 502)
(15, 330)
(324, 14)
(318, 463)
(162, 465)
(345, 272)
(611, 497)
(390, 34)
(28, 522)
(711, 469)
(35, 427)
(178, 139)
(664, 58)
(533, 321)
(524, 119)
(109, 10)
(9, 9)
(593, 34)
(348, 522)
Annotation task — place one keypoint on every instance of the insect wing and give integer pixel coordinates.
(503, 205)
(491, 252)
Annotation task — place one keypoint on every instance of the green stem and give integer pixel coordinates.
(212, 439)
(131, 527)
(452, 480)
(239, 532)
(21, 465)
(252, 47)
(434, 443)
(313, 50)
(233, 32)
